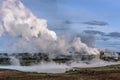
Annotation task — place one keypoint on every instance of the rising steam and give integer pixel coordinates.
(19, 22)
(33, 36)
(32, 33)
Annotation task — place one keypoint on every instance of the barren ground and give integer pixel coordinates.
(101, 73)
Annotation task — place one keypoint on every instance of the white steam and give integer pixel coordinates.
(20, 22)
(1, 30)
(57, 68)
(14, 61)
(83, 48)
(32, 33)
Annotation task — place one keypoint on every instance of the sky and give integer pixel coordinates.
(77, 10)
(99, 18)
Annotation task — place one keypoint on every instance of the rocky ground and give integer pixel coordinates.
(101, 73)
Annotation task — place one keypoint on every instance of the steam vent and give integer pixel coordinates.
(59, 40)
(27, 59)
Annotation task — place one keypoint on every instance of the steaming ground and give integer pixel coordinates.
(57, 68)
(32, 36)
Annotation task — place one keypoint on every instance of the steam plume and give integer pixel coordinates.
(32, 33)
(20, 22)
(83, 48)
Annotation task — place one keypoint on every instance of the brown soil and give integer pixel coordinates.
(104, 73)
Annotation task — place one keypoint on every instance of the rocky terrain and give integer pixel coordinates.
(26, 59)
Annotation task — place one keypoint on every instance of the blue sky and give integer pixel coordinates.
(57, 12)
(76, 16)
